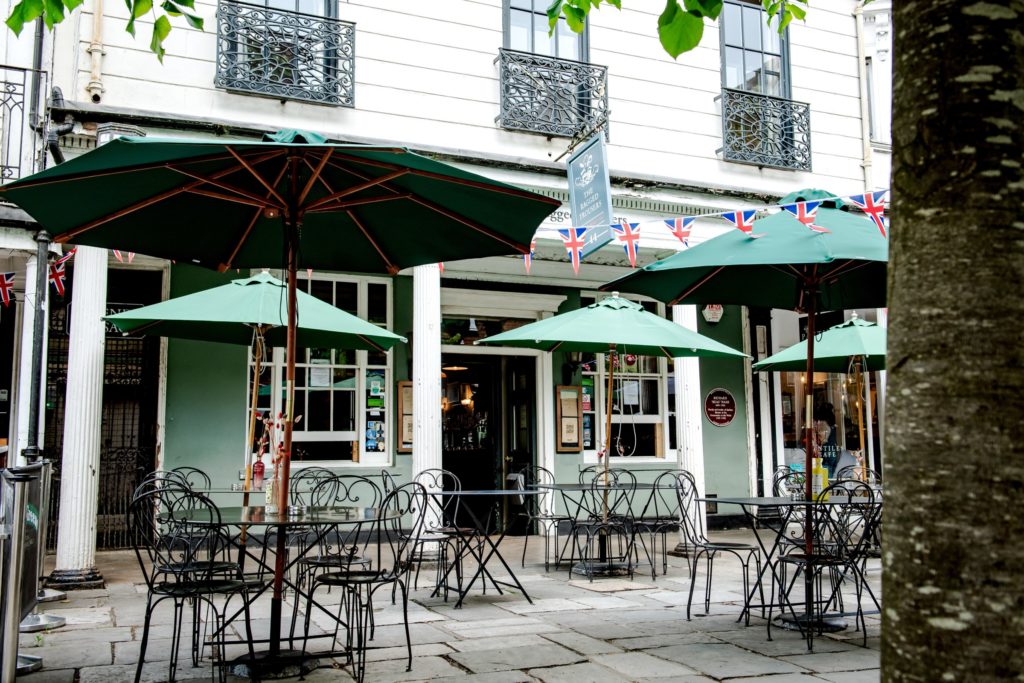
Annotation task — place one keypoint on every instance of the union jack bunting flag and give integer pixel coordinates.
(741, 220)
(805, 213)
(681, 228)
(873, 204)
(629, 235)
(573, 238)
(121, 256)
(528, 258)
(57, 273)
(7, 288)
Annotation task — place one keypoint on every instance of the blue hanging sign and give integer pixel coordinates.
(590, 194)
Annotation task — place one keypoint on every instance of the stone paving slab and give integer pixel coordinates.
(585, 645)
(853, 659)
(579, 673)
(496, 642)
(643, 665)
(505, 659)
(724, 660)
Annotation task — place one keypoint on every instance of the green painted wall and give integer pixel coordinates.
(206, 388)
(726, 448)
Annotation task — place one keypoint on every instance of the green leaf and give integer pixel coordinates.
(72, 4)
(24, 12)
(679, 31)
(575, 17)
(617, 4)
(798, 12)
(161, 29)
(194, 21)
(170, 8)
(53, 13)
(786, 18)
(704, 8)
(141, 7)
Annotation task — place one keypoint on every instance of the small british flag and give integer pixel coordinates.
(121, 256)
(7, 288)
(873, 204)
(805, 213)
(57, 272)
(528, 258)
(681, 228)
(741, 220)
(629, 235)
(573, 239)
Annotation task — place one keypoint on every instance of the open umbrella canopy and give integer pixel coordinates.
(231, 312)
(834, 349)
(616, 323)
(846, 265)
(221, 204)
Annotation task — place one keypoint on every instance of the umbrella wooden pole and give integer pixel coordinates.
(608, 426)
(860, 420)
(812, 295)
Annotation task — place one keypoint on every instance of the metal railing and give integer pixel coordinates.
(765, 131)
(283, 54)
(558, 97)
(13, 122)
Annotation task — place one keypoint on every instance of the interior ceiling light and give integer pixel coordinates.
(454, 368)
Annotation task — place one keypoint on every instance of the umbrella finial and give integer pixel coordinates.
(615, 294)
(854, 316)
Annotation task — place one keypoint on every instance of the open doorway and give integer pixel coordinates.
(489, 422)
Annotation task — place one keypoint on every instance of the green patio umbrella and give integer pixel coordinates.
(613, 326)
(848, 348)
(833, 350)
(292, 200)
(782, 263)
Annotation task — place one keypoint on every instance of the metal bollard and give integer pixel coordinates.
(16, 498)
(38, 621)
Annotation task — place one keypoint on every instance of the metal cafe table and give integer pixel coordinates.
(492, 551)
(275, 662)
(787, 508)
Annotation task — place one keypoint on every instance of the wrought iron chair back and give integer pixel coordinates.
(304, 481)
(859, 473)
(388, 482)
(194, 478)
(441, 512)
(692, 521)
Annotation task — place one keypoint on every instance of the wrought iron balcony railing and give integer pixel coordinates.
(13, 122)
(551, 96)
(765, 131)
(287, 55)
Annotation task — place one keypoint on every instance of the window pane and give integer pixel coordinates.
(520, 4)
(731, 22)
(319, 417)
(733, 68)
(519, 31)
(322, 289)
(298, 412)
(347, 297)
(377, 304)
(315, 7)
(344, 411)
(568, 42)
(773, 75)
(543, 44)
(772, 39)
(752, 20)
(649, 397)
(752, 73)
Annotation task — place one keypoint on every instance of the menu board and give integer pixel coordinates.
(569, 420)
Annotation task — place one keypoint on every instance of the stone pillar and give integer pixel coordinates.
(24, 391)
(689, 414)
(80, 463)
(83, 412)
(426, 368)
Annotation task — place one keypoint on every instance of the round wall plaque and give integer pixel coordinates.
(720, 407)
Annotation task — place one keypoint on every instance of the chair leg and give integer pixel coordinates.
(707, 585)
(693, 582)
(405, 619)
(179, 609)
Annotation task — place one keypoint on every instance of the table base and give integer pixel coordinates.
(28, 663)
(40, 622)
(600, 568)
(824, 623)
(284, 664)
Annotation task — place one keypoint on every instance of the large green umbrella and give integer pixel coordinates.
(833, 349)
(613, 326)
(781, 263)
(290, 201)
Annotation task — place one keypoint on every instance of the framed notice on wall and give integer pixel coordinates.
(569, 419)
(405, 417)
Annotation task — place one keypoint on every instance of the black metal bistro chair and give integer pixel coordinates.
(659, 517)
(194, 478)
(183, 554)
(439, 533)
(539, 510)
(702, 546)
(392, 550)
(607, 521)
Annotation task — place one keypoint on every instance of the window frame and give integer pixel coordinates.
(276, 363)
(600, 375)
(506, 35)
(785, 88)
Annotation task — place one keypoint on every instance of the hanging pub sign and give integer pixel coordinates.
(590, 194)
(713, 313)
(720, 407)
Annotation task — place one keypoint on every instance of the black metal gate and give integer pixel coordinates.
(130, 395)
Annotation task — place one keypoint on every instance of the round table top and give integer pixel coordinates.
(254, 515)
(486, 492)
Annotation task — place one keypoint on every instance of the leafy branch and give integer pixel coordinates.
(680, 25)
(53, 12)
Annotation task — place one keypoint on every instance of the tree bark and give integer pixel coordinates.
(953, 561)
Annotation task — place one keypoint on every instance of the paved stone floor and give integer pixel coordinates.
(612, 630)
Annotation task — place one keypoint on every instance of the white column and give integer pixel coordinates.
(689, 412)
(24, 392)
(426, 368)
(80, 464)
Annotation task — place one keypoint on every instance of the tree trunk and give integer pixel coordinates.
(953, 561)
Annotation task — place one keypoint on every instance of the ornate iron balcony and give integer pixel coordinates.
(551, 96)
(287, 55)
(13, 122)
(765, 131)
